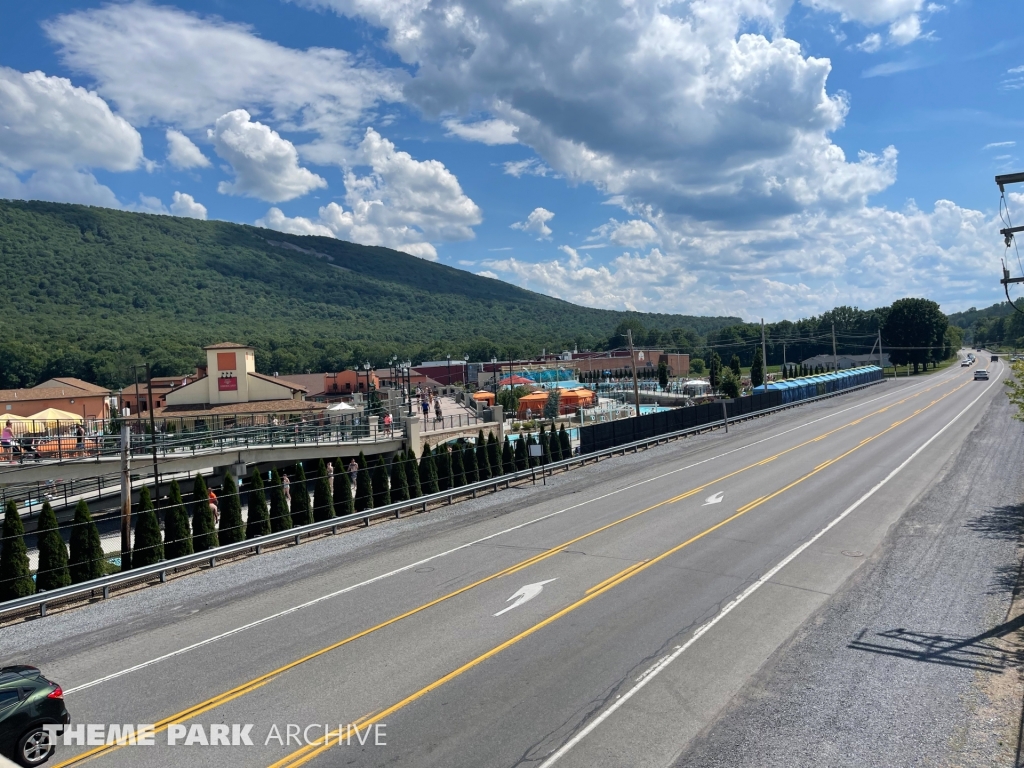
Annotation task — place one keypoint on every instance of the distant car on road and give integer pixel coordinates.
(28, 701)
(994, 358)
(965, 363)
(981, 375)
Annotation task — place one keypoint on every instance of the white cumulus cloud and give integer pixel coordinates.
(266, 165)
(536, 223)
(185, 205)
(485, 131)
(160, 64)
(403, 203)
(182, 153)
(46, 122)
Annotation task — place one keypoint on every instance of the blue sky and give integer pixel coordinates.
(751, 157)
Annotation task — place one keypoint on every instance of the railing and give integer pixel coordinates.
(256, 545)
(60, 448)
(451, 422)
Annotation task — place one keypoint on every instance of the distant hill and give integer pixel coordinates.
(995, 325)
(89, 291)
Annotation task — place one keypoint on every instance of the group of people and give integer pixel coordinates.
(428, 398)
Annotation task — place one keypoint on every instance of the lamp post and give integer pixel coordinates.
(465, 371)
(366, 367)
(494, 375)
(407, 371)
(449, 358)
(152, 422)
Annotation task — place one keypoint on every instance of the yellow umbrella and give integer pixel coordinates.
(53, 415)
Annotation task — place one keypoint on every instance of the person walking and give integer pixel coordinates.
(387, 425)
(437, 411)
(330, 473)
(213, 507)
(426, 409)
(353, 472)
(6, 441)
(287, 485)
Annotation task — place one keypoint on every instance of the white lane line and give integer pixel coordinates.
(660, 667)
(418, 563)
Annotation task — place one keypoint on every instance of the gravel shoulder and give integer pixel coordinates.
(918, 660)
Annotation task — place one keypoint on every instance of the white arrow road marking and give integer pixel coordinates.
(525, 594)
(714, 499)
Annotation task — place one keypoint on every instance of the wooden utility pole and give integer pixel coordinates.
(764, 358)
(632, 360)
(126, 498)
(835, 358)
(880, 358)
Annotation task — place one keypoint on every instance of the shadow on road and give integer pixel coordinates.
(981, 652)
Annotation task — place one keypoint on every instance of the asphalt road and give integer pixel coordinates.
(416, 633)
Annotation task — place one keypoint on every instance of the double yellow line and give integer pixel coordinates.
(304, 754)
(258, 682)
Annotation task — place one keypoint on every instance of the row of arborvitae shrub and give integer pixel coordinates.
(403, 478)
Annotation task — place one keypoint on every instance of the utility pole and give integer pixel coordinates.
(632, 360)
(152, 430)
(764, 358)
(835, 358)
(1008, 232)
(126, 499)
(880, 358)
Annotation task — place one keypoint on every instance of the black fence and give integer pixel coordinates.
(601, 437)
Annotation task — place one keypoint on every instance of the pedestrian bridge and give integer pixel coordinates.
(32, 463)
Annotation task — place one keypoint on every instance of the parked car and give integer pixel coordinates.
(28, 701)
(981, 375)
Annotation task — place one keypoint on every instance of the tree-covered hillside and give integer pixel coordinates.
(90, 291)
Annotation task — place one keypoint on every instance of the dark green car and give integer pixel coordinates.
(28, 701)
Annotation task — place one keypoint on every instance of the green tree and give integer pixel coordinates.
(204, 526)
(364, 485)
(344, 501)
(483, 464)
(914, 332)
(469, 464)
(696, 366)
(546, 444)
(458, 468)
(381, 486)
(258, 522)
(149, 546)
(399, 481)
(412, 475)
(177, 533)
(494, 455)
(522, 457)
(443, 459)
(729, 386)
(757, 369)
(1015, 383)
(663, 375)
(301, 512)
(565, 442)
(280, 514)
(552, 406)
(428, 472)
(53, 552)
(323, 499)
(231, 530)
(715, 370)
(554, 446)
(508, 459)
(87, 557)
(736, 366)
(15, 576)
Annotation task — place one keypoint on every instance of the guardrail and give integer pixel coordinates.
(103, 585)
(170, 444)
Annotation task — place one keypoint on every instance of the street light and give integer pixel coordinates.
(494, 375)
(407, 376)
(449, 358)
(465, 371)
(366, 367)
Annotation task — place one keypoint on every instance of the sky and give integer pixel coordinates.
(757, 158)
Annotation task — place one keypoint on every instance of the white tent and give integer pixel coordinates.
(341, 407)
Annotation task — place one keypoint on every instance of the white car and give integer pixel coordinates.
(981, 375)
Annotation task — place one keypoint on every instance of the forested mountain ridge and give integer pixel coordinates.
(90, 291)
